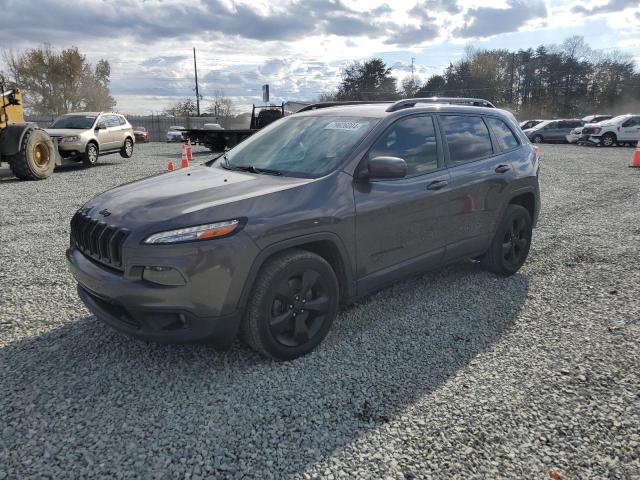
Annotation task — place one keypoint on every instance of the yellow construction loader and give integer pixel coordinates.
(27, 149)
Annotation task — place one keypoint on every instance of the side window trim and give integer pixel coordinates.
(439, 147)
(448, 162)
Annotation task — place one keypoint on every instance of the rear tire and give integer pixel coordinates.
(609, 140)
(91, 153)
(293, 303)
(36, 158)
(510, 246)
(127, 149)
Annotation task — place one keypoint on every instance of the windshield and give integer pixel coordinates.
(176, 128)
(619, 118)
(309, 146)
(140, 129)
(78, 122)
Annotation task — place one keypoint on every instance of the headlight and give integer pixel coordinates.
(597, 130)
(72, 138)
(191, 234)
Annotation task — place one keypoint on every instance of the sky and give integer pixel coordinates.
(298, 47)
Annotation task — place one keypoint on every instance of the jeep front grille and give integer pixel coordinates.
(98, 240)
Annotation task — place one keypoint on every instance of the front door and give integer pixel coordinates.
(630, 130)
(400, 222)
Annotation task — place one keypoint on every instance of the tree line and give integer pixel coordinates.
(565, 80)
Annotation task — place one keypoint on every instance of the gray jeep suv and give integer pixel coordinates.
(314, 211)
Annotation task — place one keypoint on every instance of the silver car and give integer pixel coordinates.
(86, 136)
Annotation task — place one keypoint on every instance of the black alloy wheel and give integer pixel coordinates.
(299, 308)
(510, 246)
(515, 242)
(293, 303)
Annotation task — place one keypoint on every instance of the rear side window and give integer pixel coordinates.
(506, 139)
(414, 140)
(112, 121)
(468, 138)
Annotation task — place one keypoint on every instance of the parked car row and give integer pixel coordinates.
(601, 130)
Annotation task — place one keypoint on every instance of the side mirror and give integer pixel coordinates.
(384, 167)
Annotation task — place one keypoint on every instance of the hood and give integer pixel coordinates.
(65, 132)
(184, 196)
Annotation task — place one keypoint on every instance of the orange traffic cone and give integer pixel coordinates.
(189, 151)
(184, 161)
(635, 161)
(170, 166)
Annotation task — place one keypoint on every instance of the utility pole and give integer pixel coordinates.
(412, 77)
(195, 69)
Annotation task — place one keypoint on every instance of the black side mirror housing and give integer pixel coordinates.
(384, 168)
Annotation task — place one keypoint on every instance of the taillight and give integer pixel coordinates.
(536, 151)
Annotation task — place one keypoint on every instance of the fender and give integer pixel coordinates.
(11, 138)
(277, 247)
(513, 194)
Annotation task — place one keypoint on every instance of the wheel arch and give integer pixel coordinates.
(327, 245)
(527, 200)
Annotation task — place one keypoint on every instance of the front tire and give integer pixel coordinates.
(510, 246)
(537, 139)
(36, 158)
(293, 304)
(127, 149)
(91, 153)
(609, 140)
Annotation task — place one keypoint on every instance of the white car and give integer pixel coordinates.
(576, 135)
(175, 134)
(618, 130)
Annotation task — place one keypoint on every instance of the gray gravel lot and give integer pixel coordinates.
(456, 374)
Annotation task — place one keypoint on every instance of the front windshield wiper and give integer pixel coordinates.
(252, 169)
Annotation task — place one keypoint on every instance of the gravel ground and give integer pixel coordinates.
(456, 374)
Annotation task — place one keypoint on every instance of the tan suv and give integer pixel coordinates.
(86, 136)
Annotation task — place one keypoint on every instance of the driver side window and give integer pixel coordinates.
(414, 140)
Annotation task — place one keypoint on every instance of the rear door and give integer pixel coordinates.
(400, 222)
(114, 130)
(480, 172)
(630, 130)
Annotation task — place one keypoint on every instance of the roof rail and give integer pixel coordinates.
(411, 102)
(316, 106)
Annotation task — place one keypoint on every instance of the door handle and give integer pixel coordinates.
(502, 168)
(437, 185)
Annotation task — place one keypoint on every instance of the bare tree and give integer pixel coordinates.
(60, 81)
(410, 87)
(185, 108)
(221, 106)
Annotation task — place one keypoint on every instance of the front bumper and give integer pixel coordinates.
(205, 308)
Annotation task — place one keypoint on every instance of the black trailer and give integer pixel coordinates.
(220, 139)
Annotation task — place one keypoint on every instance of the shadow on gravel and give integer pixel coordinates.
(86, 399)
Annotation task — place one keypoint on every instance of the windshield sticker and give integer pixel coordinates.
(344, 126)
